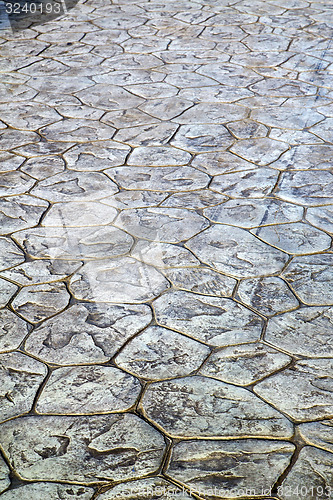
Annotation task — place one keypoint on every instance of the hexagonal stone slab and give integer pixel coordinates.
(85, 449)
(244, 364)
(75, 186)
(87, 333)
(74, 243)
(87, 390)
(262, 151)
(159, 179)
(215, 321)
(108, 97)
(319, 434)
(310, 276)
(268, 295)
(170, 225)
(309, 386)
(305, 157)
(168, 108)
(195, 199)
(118, 280)
(158, 156)
(212, 113)
(309, 187)
(295, 238)
(10, 254)
(146, 489)
(204, 407)
(12, 330)
(215, 467)
(201, 280)
(38, 302)
(41, 271)
(30, 117)
(79, 214)
(158, 353)
(202, 138)
(21, 377)
(254, 212)
(287, 117)
(307, 331)
(148, 135)
(134, 199)
(236, 252)
(51, 491)
(20, 212)
(313, 472)
(77, 130)
(96, 156)
(220, 162)
(321, 217)
(7, 290)
(248, 184)
(163, 255)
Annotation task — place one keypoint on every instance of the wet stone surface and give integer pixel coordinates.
(166, 212)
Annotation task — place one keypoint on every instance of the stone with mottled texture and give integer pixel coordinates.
(306, 187)
(231, 468)
(201, 280)
(158, 353)
(51, 491)
(249, 184)
(202, 138)
(236, 252)
(21, 377)
(65, 448)
(79, 214)
(38, 302)
(10, 254)
(309, 385)
(215, 321)
(310, 276)
(95, 156)
(43, 167)
(158, 156)
(307, 331)
(15, 183)
(87, 333)
(12, 330)
(262, 151)
(7, 290)
(318, 434)
(321, 217)
(41, 271)
(87, 390)
(146, 489)
(20, 212)
(204, 407)
(244, 364)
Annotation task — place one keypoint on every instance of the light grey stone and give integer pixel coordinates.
(43, 167)
(215, 321)
(108, 97)
(306, 187)
(121, 280)
(94, 156)
(262, 151)
(254, 212)
(295, 238)
(146, 489)
(158, 156)
(167, 108)
(268, 295)
(203, 407)
(307, 332)
(21, 377)
(88, 390)
(202, 138)
(10, 254)
(201, 280)
(248, 184)
(78, 130)
(79, 214)
(321, 217)
(210, 467)
(197, 199)
(158, 353)
(134, 199)
(41, 271)
(163, 255)
(244, 364)
(317, 434)
(38, 302)
(19, 212)
(309, 385)
(311, 278)
(212, 113)
(86, 449)
(31, 116)
(7, 290)
(221, 162)
(242, 255)
(147, 135)
(51, 491)
(87, 333)
(13, 330)
(15, 183)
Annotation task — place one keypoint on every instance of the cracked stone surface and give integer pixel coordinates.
(166, 251)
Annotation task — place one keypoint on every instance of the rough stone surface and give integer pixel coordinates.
(52, 491)
(146, 489)
(38, 302)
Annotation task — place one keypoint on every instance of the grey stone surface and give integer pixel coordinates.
(151, 489)
(13, 330)
(52, 491)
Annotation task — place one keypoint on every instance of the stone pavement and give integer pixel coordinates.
(165, 261)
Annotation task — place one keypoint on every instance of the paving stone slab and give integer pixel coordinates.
(248, 184)
(21, 378)
(221, 162)
(321, 217)
(313, 472)
(87, 333)
(317, 434)
(254, 212)
(244, 256)
(212, 113)
(261, 151)
(52, 491)
(41, 271)
(30, 117)
(169, 225)
(12, 330)
(159, 353)
(202, 138)
(86, 449)
(163, 255)
(38, 302)
(78, 130)
(108, 97)
(75, 186)
(201, 280)
(146, 489)
(306, 331)
(10, 254)
(95, 156)
(204, 407)
(269, 295)
(244, 364)
(147, 135)
(309, 188)
(213, 320)
(74, 243)
(309, 387)
(135, 199)
(79, 214)
(196, 199)
(43, 167)
(296, 238)
(232, 468)
(88, 390)
(15, 183)
(310, 278)
(158, 156)
(172, 179)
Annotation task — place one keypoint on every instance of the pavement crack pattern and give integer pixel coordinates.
(166, 284)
